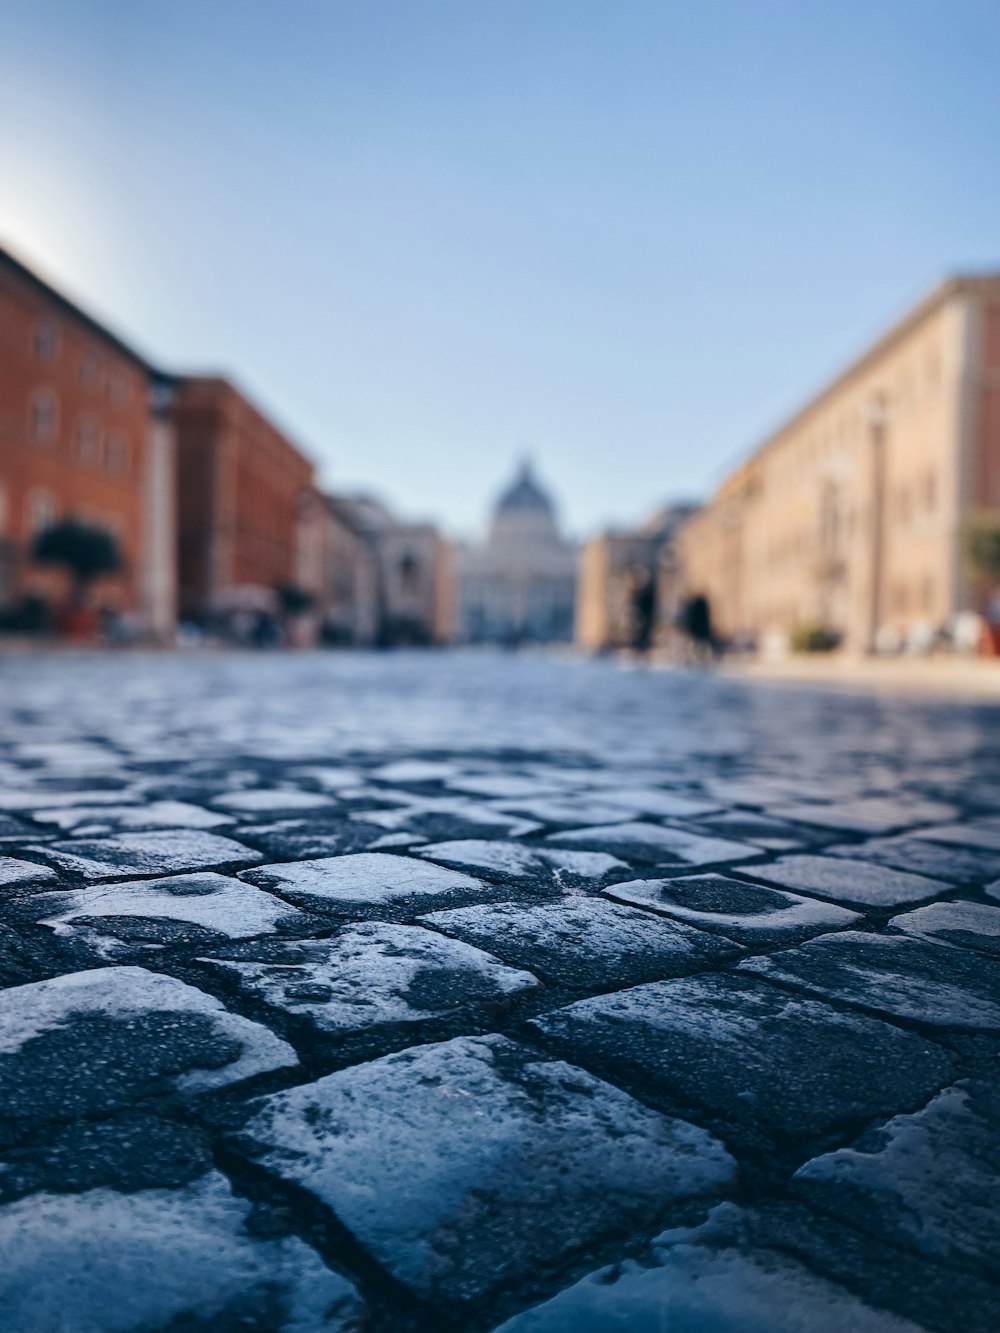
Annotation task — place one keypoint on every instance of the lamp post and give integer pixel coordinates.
(877, 415)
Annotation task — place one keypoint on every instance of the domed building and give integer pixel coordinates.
(519, 586)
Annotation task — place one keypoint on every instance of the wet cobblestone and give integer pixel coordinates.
(434, 994)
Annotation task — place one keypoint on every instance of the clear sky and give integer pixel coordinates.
(625, 237)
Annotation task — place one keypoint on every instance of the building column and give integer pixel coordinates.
(158, 580)
(877, 435)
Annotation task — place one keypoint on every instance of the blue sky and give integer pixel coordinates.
(429, 238)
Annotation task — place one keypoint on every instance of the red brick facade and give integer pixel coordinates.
(241, 483)
(74, 416)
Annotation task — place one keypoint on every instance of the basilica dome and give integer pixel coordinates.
(524, 493)
(524, 512)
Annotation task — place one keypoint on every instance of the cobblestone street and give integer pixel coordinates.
(433, 993)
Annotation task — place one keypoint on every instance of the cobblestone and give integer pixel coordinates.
(480, 1136)
(445, 994)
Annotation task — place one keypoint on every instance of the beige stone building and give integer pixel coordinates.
(852, 516)
(375, 581)
(624, 583)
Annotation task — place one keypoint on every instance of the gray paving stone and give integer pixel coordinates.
(28, 798)
(464, 1166)
(331, 777)
(153, 853)
(368, 879)
(935, 1296)
(257, 800)
(655, 844)
(928, 1182)
(208, 901)
(375, 974)
(699, 1289)
(754, 1057)
(15, 830)
(88, 1042)
(973, 833)
(900, 977)
(447, 817)
(855, 882)
(313, 838)
(15, 872)
(417, 770)
(110, 1262)
(129, 1149)
(957, 865)
(760, 790)
(93, 1103)
(749, 913)
(973, 925)
(658, 802)
(572, 809)
(747, 826)
(503, 786)
(871, 815)
(100, 819)
(518, 861)
(586, 942)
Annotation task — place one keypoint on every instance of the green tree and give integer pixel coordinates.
(982, 546)
(86, 552)
(294, 601)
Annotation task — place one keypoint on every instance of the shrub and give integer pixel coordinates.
(982, 545)
(815, 639)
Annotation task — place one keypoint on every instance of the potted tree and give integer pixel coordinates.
(86, 553)
(982, 549)
(295, 603)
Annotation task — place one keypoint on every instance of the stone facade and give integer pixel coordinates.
(853, 515)
(625, 586)
(519, 586)
(381, 582)
(82, 435)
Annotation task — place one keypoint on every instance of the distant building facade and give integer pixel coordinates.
(384, 582)
(626, 585)
(852, 516)
(85, 435)
(243, 488)
(519, 586)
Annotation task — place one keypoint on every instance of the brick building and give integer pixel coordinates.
(242, 489)
(83, 434)
(853, 515)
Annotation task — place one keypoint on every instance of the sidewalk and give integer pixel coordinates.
(972, 678)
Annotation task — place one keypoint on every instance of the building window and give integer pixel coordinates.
(116, 454)
(44, 411)
(45, 340)
(409, 574)
(119, 389)
(41, 510)
(88, 440)
(90, 368)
